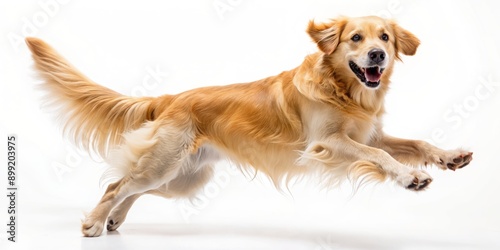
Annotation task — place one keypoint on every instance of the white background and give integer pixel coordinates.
(447, 94)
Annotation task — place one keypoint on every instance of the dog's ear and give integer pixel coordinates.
(326, 35)
(406, 42)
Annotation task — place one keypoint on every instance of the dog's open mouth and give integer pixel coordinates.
(370, 76)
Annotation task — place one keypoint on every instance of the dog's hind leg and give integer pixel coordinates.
(195, 172)
(117, 192)
(154, 168)
(119, 213)
(183, 186)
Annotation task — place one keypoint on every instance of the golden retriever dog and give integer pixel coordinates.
(322, 119)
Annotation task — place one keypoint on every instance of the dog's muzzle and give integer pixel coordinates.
(370, 76)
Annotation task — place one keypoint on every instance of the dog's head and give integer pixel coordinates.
(363, 47)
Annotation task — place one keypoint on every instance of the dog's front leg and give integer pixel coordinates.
(418, 153)
(363, 160)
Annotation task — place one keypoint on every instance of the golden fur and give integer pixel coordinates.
(319, 118)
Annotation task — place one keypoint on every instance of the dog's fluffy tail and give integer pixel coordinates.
(94, 116)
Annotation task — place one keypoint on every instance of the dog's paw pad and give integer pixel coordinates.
(416, 180)
(462, 160)
(452, 159)
(112, 225)
(419, 184)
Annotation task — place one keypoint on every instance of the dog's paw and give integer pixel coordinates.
(453, 159)
(92, 228)
(116, 218)
(113, 223)
(416, 180)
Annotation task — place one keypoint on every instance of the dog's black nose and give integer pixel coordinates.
(376, 55)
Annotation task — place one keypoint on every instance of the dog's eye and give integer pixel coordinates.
(385, 37)
(356, 38)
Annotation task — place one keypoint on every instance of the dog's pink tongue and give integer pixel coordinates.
(372, 74)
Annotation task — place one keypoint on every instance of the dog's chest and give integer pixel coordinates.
(361, 130)
(321, 122)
